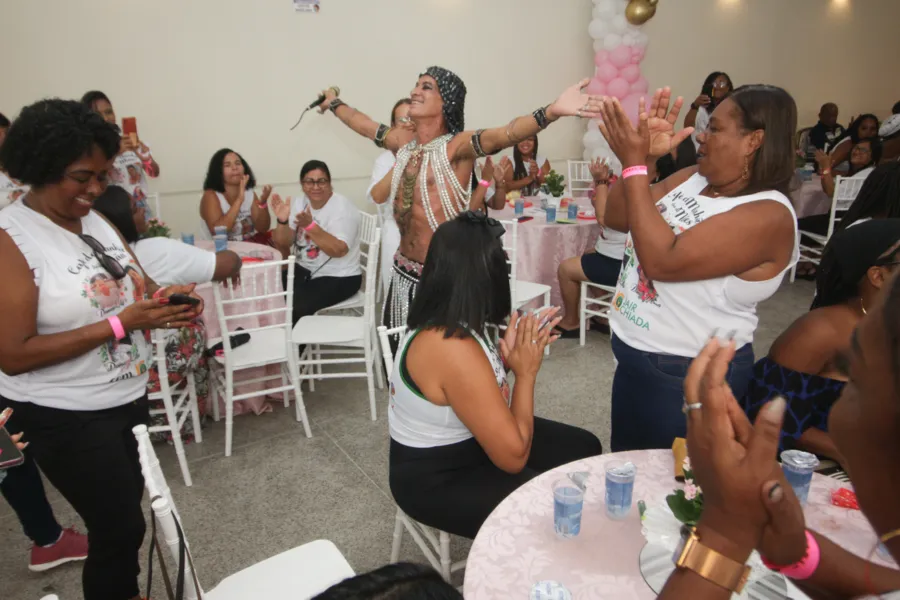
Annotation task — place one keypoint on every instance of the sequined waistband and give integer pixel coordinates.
(406, 266)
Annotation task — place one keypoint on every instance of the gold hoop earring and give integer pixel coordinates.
(745, 175)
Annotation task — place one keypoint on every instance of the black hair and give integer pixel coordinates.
(312, 165)
(91, 98)
(397, 105)
(50, 135)
(708, 83)
(874, 156)
(215, 180)
(4, 122)
(895, 110)
(827, 105)
(852, 130)
(848, 255)
(773, 110)
(465, 281)
(520, 170)
(115, 205)
(406, 581)
(878, 198)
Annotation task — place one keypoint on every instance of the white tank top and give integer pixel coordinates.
(74, 291)
(416, 422)
(243, 226)
(678, 317)
(611, 243)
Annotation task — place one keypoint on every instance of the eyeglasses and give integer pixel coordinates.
(110, 264)
(316, 182)
(720, 84)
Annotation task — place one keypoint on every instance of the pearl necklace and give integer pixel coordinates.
(433, 154)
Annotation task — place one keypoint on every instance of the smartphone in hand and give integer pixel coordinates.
(180, 299)
(129, 126)
(10, 456)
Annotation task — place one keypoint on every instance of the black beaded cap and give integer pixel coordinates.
(453, 93)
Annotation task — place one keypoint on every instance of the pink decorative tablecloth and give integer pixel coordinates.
(808, 197)
(542, 246)
(517, 547)
(257, 405)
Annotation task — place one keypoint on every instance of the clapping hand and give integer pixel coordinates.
(823, 160)
(304, 219)
(661, 124)
(281, 208)
(522, 346)
(266, 191)
(502, 171)
(533, 170)
(599, 170)
(487, 172)
(630, 145)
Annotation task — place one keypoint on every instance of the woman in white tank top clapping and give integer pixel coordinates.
(704, 247)
(229, 200)
(462, 438)
(75, 317)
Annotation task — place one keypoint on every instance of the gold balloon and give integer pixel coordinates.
(639, 12)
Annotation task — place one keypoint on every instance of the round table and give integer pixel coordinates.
(517, 547)
(542, 246)
(246, 250)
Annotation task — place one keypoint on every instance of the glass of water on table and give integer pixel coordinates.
(619, 489)
(568, 504)
(798, 467)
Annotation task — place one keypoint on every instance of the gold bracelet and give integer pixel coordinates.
(509, 136)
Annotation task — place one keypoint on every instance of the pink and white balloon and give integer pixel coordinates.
(619, 49)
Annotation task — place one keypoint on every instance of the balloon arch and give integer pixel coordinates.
(619, 47)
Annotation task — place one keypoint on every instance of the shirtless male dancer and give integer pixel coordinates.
(431, 180)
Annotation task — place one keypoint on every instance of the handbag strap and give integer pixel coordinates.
(183, 553)
(154, 545)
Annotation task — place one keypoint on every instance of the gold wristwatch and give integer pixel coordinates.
(707, 563)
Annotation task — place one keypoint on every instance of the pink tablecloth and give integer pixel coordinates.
(808, 198)
(517, 547)
(542, 246)
(257, 405)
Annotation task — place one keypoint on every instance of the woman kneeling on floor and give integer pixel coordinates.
(462, 439)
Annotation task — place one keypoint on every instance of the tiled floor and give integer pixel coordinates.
(279, 489)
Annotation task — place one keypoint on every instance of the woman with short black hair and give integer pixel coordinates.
(462, 439)
(229, 200)
(74, 353)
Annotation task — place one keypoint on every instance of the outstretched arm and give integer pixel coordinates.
(572, 102)
(396, 138)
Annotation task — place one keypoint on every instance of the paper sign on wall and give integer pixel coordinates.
(306, 6)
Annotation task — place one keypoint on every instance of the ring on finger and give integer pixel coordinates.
(167, 325)
(534, 341)
(692, 406)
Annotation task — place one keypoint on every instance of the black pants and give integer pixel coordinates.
(91, 457)
(311, 296)
(454, 488)
(24, 491)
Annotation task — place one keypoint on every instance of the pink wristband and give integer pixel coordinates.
(118, 329)
(310, 226)
(635, 170)
(807, 565)
(484, 183)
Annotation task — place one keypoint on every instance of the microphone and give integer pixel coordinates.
(321, 98)
(316, 103)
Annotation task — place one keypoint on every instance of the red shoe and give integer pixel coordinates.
(71, 546)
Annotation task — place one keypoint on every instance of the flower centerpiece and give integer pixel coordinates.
(687, 503)
(156, 228)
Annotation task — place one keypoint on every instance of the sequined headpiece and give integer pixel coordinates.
(453, 93)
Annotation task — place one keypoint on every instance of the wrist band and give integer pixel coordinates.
(280, 222)
(805, 567)
(310, 226)
(381, 134)
(601, 182)
(635, 170)
(334, 104)
(118, 329)
(484, 183)
(694, 106)
(540, 115)
(476, 144)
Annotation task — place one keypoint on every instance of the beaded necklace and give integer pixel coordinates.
(434, 154)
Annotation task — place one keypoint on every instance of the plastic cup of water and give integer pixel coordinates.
(551, 214)
(187, 238)
(573, 210)
(221, 230)
(619, 489)
(520, 207)
(798, 467)
(221, 241)
(568, 504)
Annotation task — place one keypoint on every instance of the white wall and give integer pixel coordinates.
(202, 74)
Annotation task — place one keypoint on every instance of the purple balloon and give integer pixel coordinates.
(640, 86)
(620, 56)
(631, 73)
(596, 88)
(606, 72)
(618, 87)
(600, 57)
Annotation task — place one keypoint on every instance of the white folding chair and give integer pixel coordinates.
(369, 233)
(179, 402)
(521, 292)
(347, 337)
(581, 182)
(270, 342)
(845, 191)
(301, 572)
(594, 306)
(436, 548)
(152, 201)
